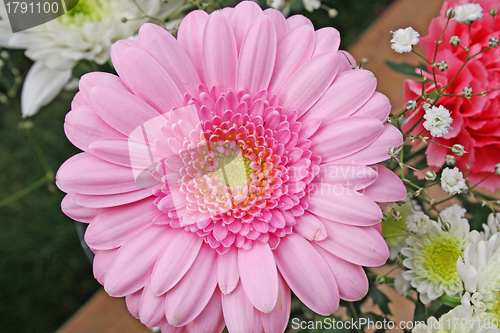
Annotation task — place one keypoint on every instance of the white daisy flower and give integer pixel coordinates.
(85, 32)
(480, 272)
(452, 181)
(492, 227)
(438, 121)
(404, 39)
(458, 320)
(431, 258)
(468, 13)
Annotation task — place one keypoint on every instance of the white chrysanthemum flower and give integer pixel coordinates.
(402, 286)
(404, 39)
(480, 273)
(438, 121)
(418, 223)
(458, 320)
(431, 258)
(311, 5)
(468, 13)
(492, 227)
(85, 32)
(452, 181)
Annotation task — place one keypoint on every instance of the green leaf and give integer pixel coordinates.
(403, 68)
(380, 299)
(420, 313)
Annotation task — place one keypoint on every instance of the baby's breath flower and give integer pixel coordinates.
(452, 181)
(468, 13)
(404, 39)
(430, 175)
(426, 106)
(450, 13)
(493, 42)
(467, 92)
(402, 286)
(311, 5)
(458, 149)
(417, 222)
(442, 66)
(438, 121)
(455, 40)
(394, 152)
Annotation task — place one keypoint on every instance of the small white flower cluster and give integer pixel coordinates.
(468, 13)
(452, 181)
(404, 39)
(438, 121)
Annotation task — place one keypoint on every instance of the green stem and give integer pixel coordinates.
(450, 301)
(27, 190)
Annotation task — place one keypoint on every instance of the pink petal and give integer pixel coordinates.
(100, 177)
(309, 83)
(171, 56)
(83, 126)
(188, 298)
(134, 261)
(298, 20)
(170, 329)
(219, 47)
(259, 276)
(378, 106)
(277, 320)
(211, 318)
(346, 62)
(378, 150)
(387, 188)
(363, 246)
(243, 17)
(175, 260)
(355, 177)
(339, 138)
(348, 93)
(307, 274)
(101, 262)
(327, 41)
(99, 79)
(117, 225)
(132, 301)
(238, 312)
(257, 57)
(279, 21)
(309, 227)
(122, 110)
(120, 150)
(228, 271)
(190, 36)
(152, 308)
(77, 212)
(351, 279)
(343, 205)
(113, 200)
(118, 48)
(293, 50)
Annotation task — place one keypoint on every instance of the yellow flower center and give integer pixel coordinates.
(85, 11)
(439, 258)
(233, 170)
(494, 306)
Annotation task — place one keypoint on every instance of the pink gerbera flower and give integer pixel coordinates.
(225, 167)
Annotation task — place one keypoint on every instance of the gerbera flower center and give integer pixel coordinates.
(85, 11)
(233, 168)
(439, 258)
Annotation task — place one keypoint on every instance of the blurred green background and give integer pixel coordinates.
(45, 275)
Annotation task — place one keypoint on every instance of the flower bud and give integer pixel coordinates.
(442, 66)
(393, 152)
(396, 215)
(493, 42)
(426, 106)
(4, 55)
(430, 175)
(467, 92)
(497, 169)
(450, 160)
(450, 13)
(411, 105)
(332, 13)
(124, 20)
(455, 41)
(493, 12)
(458, 149)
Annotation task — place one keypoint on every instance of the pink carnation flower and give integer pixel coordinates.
(476, 125)
(225, 167)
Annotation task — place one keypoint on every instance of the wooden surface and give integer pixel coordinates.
(104, 314)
